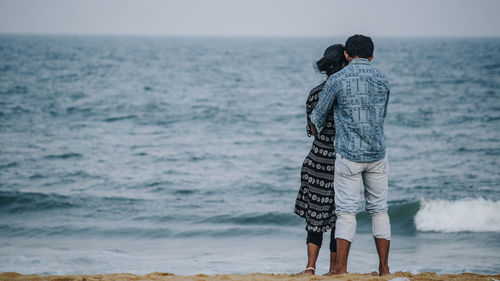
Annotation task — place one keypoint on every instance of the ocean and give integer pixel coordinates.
(183, 154)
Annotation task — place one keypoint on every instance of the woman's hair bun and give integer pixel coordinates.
(332, 60)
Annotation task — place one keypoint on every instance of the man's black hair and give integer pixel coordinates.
(359, 46)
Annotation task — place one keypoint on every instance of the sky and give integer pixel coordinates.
(454, 18)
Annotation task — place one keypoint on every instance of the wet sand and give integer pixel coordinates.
(427, 276)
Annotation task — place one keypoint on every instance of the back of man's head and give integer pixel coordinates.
(359, 46)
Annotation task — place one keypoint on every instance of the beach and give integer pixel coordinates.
(7, 276)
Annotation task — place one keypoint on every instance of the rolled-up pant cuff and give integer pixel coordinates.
(381, 226)
(345, 226)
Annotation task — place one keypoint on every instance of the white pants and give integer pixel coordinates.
(350, 176)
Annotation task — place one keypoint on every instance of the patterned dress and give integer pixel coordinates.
(315, 200)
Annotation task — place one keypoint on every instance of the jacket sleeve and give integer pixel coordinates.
(325, 103)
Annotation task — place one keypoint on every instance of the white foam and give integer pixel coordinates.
(475, 215)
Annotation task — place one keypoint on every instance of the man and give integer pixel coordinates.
(359, 94)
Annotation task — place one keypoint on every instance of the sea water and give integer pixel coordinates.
(183, 154)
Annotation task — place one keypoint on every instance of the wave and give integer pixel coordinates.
(154, 232)
(79, 231)
(120, 118)
(19, 202)
(466, 215)
(407, 217)
(63, 156)
(402, 214)
(22, 202)
(470, 215)
(8, 165)
(18, 89)
(492, 66)
(268, 218)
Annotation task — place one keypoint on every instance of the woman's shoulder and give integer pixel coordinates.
(313, 96)
(317, 88)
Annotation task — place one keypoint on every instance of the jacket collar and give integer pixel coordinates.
(360, 61)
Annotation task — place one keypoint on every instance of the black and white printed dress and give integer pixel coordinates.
(315, 200)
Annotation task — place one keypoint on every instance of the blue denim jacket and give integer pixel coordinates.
(359, 94)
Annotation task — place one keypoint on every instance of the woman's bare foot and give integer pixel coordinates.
(312, 256)
(329, 273)
(305, 272)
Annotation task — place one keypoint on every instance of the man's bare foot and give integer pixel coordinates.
(383, 246)
(383, 271)
(331, 273)
(343, 247)
(339, 270)
(333, 258)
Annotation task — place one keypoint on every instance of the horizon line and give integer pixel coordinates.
(2, 33)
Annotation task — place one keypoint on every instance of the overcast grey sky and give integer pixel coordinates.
(253, 17)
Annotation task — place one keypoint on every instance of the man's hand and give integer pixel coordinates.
(313, 129)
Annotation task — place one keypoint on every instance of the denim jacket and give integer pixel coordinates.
(359, 94)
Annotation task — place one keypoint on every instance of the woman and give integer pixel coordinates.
(315, 198)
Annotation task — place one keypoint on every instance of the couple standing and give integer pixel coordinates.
(346, 116)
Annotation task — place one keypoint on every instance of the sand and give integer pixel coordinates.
(255, 276)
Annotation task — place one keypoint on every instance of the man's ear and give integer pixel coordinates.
(346, 56)
(370, 58)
